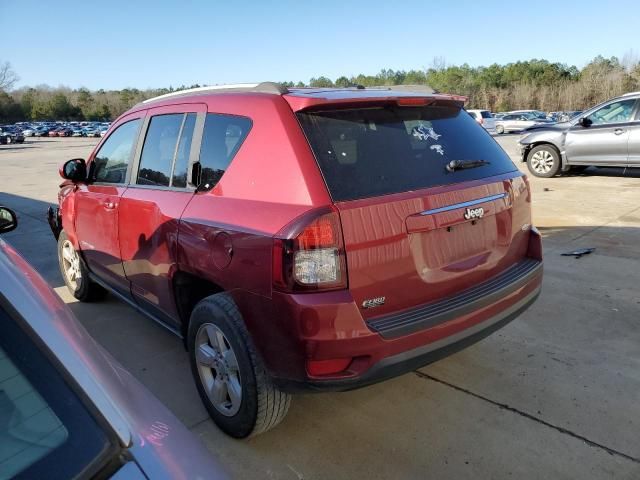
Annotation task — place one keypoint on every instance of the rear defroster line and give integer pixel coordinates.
(504, 406)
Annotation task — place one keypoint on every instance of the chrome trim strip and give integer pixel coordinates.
(470, 203)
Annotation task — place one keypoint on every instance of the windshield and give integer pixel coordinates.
(45, 430)
(373, 151)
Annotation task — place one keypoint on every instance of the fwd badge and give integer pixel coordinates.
(373, 302)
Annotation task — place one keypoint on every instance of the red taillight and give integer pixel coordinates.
(308, 254)
(481, 120)
(320, 233)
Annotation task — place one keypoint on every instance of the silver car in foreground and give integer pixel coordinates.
(607, 135)
(67, 408)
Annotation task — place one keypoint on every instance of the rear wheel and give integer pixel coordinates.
(75, 272)
(231, 379)
(543, 161)
(499, 129)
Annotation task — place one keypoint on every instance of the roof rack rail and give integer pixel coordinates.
(629, 94)
(264, 87)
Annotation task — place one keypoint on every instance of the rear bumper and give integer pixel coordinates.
(435, 313)
(329, 326)
(294, 332)
(411, 360)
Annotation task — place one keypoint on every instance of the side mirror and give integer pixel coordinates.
(584, 122)
(74, 170)
(8, 220)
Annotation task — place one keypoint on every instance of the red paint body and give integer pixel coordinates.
(136, 239)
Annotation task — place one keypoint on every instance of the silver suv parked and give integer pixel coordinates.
(607, 135)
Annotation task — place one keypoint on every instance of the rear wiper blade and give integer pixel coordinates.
(454, 165)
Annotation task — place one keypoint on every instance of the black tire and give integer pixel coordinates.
(544, 150)
(499, 129)
(84, 290)
(262, 405)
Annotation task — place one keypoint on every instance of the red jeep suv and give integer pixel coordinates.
(301, 239)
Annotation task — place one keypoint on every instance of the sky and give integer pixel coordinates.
(115, 44)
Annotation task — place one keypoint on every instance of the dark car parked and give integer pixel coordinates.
(67, 408)
(301, 239)
(607, 135)
(11, 135)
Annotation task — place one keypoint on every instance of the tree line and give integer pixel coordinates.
(535, 84)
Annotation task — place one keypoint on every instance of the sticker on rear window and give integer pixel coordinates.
(437, 148)
(422, 132)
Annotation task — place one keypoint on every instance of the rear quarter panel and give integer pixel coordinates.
(272, 179)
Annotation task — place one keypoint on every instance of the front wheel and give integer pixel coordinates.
(75, 273)
(499, 129)
(543, 161)
(230, 376)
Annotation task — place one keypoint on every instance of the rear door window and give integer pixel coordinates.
(164, 161)
(182, 153)
(159, 150)
(368, 152)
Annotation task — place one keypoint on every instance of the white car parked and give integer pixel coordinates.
(484, 118)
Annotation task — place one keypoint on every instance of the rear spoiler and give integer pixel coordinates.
(370, 96)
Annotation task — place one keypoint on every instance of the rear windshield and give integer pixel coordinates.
(368, 152)
(486, 114)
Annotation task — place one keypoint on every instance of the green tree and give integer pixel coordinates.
(61, 109)
(321, 82)
(10, 110)
(85, 101)
(343, 82)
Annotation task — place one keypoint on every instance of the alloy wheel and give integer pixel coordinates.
(542, 161)
(71, 264)
(218, 369)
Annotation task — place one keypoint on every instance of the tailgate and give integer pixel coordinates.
(425, 246)
(430, 204)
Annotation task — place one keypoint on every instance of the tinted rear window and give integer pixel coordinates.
(486, 114)
(376, 151)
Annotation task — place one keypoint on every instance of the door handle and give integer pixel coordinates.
(109, 205)
(618, 131)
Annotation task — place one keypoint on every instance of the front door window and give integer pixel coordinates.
(616, 112)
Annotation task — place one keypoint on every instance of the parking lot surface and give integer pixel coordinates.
(554, 395)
